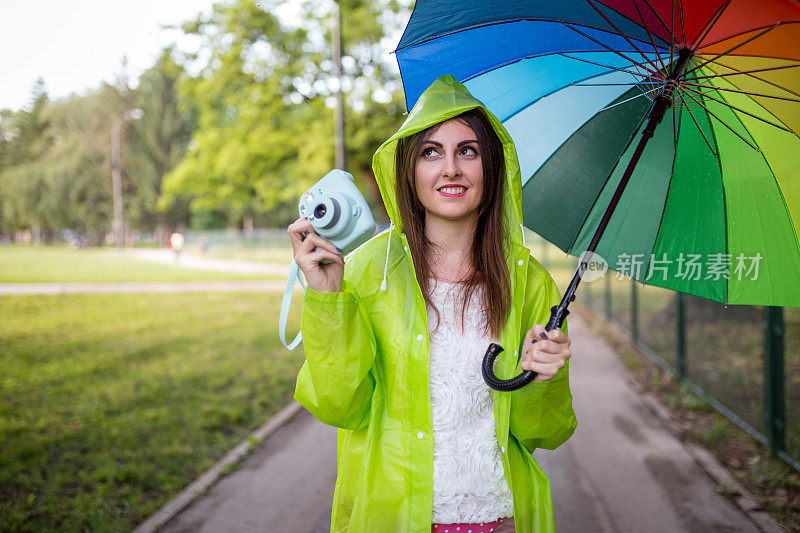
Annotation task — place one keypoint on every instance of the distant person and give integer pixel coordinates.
(394, 340)
(202, 244)
(176, 242)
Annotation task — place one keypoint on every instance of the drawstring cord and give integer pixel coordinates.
(384, 285)
(386, 264)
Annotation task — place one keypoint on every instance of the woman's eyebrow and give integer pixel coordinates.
(459, 145)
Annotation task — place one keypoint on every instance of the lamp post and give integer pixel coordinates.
(336, 37)
(116, 173)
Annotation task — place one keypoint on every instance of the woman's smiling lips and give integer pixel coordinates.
(453, 191)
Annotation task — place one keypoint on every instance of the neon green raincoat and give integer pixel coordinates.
(367, 354)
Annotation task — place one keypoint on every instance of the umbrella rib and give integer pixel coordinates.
(714, 19)
(737, 89)
(644, 93)
(661, 20)
(774, 177)
(785, 127)
(762, 79)
(706, 95)
(619, 69)
(674, 129)
(707, 110)
(639, 86)
(605, 84)
(683, 27)
(745, 32)
(574, 83)
(650, 35)
(619, 32)
(672, 32)
(739, 72)
(701, 132)
(740, 92)
(724, 190)
(731, 49)
(608, 177)
(640, 65)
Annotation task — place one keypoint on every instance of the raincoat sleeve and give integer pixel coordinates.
(541, 412)
(335, 382)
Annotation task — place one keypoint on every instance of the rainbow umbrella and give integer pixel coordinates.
(660, 134)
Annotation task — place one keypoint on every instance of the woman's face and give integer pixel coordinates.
(449, 173)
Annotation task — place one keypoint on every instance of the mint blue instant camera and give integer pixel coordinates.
(338, 212)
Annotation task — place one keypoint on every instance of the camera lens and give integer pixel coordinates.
(320, 211)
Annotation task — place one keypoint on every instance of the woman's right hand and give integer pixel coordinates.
(322, 277)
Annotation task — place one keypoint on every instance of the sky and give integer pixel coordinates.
(76, 45)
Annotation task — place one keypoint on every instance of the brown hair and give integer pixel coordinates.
(489, 269)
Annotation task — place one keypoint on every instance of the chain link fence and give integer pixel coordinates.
(743, 360)
(265, 245)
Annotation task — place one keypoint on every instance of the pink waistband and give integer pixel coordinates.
(483, 527)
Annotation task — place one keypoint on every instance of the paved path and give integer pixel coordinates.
(285, 485)
(621, 471)
(141, 286)
(167, 257)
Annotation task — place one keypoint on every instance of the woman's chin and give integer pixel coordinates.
(454, 215)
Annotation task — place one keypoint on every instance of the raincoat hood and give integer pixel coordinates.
(444, 99)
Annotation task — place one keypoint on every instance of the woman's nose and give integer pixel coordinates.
(450, 166)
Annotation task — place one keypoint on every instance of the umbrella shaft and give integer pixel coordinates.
(660, 105)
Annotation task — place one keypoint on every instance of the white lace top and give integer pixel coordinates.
(468, 480)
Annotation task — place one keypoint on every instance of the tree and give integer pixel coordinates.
(264, 97)
(25, 137)
(59, 165)
(156, 143)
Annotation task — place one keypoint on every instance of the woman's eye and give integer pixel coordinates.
(429, 152)
(469, 151)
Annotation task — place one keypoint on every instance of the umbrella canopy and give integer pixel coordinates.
(713, 206)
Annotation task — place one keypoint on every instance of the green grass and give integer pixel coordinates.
(55, 264)
(111, 404)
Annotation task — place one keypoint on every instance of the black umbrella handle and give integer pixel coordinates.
(557, 315)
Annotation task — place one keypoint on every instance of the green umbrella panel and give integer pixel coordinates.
(711, 208)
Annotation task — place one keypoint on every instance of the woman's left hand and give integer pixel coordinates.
(545, 352)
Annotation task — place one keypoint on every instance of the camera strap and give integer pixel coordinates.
(294, 273)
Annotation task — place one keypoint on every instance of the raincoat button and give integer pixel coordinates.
(405, 248)
(519, 262)
(420, 435)
(419, 338)
(503, 449)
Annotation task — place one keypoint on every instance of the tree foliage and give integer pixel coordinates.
(156, 143)
(264, 95)
(230, 133)
(57, 174)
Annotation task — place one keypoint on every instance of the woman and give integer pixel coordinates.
(394, 340)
